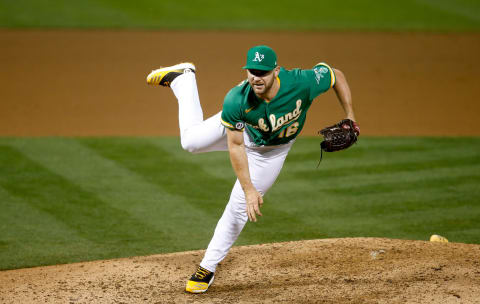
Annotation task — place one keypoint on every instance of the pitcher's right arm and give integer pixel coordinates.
(239, 160)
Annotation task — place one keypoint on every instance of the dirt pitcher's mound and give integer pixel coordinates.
(359, 270)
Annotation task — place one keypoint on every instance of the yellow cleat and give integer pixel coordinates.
(200, 281)
(165, 76)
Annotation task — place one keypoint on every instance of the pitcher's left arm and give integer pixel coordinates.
(344, 95)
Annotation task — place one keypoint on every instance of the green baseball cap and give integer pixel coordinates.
(261, 57)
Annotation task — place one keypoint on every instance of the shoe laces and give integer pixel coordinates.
(201, 273)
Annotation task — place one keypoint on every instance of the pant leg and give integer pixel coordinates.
(196, 135)
(207, 136)
(265, 166)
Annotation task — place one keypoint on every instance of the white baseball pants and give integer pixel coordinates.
(198, 135)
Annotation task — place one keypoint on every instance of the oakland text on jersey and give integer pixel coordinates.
(290, 116)
(277, 123)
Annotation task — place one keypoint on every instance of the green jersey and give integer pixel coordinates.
(280, 120)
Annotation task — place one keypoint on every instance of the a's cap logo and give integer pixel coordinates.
(258, 57)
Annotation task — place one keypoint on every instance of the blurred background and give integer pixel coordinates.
(90, 161)
(79, 67)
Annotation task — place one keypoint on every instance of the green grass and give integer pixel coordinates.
(423, 15)
(75, 199)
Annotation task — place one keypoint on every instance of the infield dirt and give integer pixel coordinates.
(88, 83)
(93, 82)
(359, 270)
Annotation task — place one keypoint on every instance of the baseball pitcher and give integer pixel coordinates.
(260, 120)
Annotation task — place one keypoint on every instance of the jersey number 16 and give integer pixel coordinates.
(289, 131)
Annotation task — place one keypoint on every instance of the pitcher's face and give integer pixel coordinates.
(261, 81)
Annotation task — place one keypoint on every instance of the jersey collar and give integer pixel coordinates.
(279, 86)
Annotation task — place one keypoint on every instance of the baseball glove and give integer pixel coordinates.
(338, 137)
